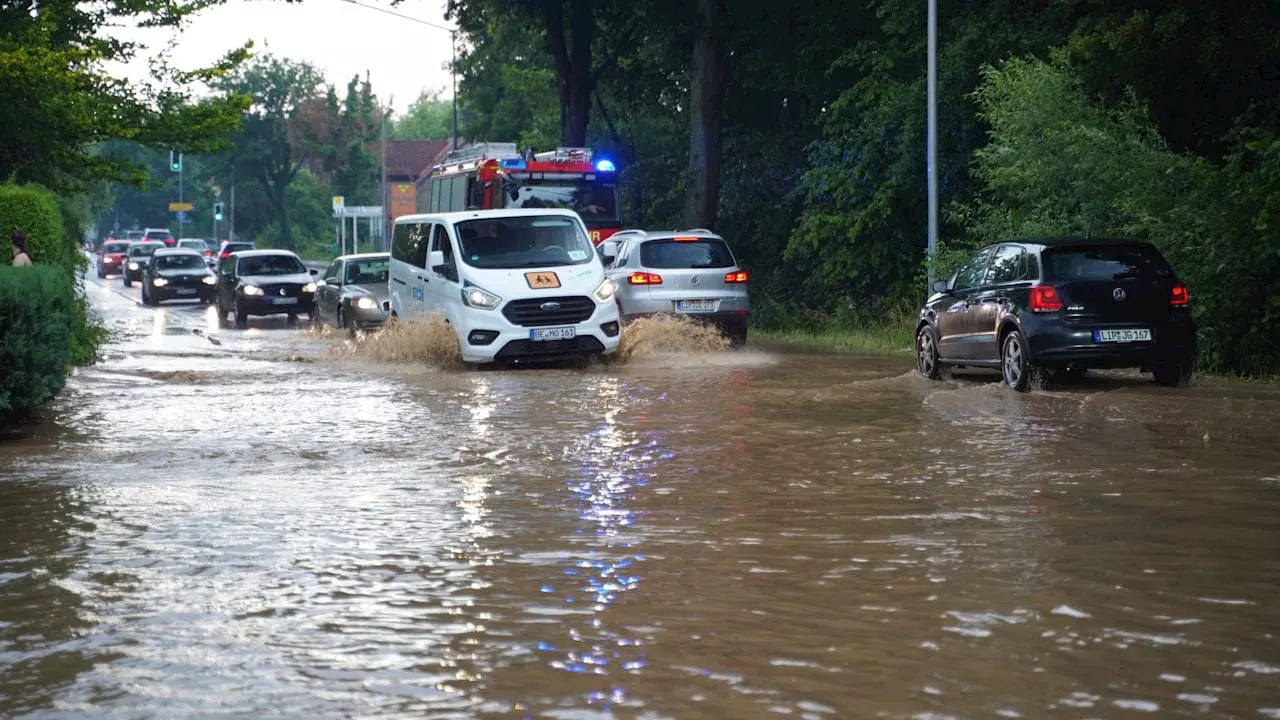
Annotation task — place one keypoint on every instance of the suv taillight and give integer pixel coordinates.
(1045, 298)
(642, 278)
(1179, 296)
(736, 277)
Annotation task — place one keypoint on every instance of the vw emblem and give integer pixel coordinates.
(1118, 294)
(281, 292)
(694, 280)
(550, 306)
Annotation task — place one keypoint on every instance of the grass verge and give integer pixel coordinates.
(886, 339)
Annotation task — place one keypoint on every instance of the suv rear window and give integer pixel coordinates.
(686, 254)
(1109, 262)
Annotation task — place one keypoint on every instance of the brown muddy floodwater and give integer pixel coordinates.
(222, 523)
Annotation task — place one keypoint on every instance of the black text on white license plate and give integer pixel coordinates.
(1121, 336)
(186, 291)
(284, 301)
(563, 333)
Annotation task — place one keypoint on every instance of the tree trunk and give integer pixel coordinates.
(706, 85)
(572, 56)
(278, 193)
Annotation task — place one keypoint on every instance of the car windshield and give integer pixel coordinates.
(181, 261)
(523, 242)
(133, 235)
(1108, 262)
(368, 272)
(594, 201)
(677, 254)
(116, 247)
(196, 244)
(143, 249)
(157, 235)
(271, 265)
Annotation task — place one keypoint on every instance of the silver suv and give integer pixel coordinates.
(687, 272)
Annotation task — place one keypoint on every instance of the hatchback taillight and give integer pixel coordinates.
(739, 276)
(1179, 296)
(1045, 298)
(643, 278)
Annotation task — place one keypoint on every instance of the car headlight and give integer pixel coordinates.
(133, 266)
(251, 290)
(309, 287)
(366, 303)
(159, 282)
(477, 298)
(209, 280)
(604, 292)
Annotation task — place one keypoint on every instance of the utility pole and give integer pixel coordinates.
(932, 160)
(381, 244)
(453, 70)
(231, 223)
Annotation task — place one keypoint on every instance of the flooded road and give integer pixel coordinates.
(224, 523)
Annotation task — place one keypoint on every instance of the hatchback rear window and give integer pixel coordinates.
(1111, 262)
(686, 254)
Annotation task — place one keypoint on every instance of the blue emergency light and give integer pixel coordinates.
(605, 166)
(513, 164)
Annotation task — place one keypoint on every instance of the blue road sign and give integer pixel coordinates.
(182, 216)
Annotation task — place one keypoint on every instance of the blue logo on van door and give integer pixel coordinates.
(417, 293)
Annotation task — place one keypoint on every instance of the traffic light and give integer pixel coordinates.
(217, 211)
(175, 161)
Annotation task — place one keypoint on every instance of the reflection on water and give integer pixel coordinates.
(203, 529)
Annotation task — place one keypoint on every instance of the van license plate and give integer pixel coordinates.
(284, 301)
(691, 306)
(563, 333)
(1122, 336)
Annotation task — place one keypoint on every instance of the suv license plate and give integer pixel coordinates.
(696, 306)
(1122, 336)
(564, 333)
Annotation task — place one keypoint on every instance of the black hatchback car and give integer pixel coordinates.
(264, 282)
(1060, 306)
(177, 274)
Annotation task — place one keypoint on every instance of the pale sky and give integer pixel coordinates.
(403, 57)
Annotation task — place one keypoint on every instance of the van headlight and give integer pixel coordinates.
(478, 298)
(159, 282)
(604, 292)
(252, 290)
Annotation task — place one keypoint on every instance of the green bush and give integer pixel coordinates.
(34, 211)
(37, 313)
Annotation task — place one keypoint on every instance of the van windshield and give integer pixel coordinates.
(523, 242)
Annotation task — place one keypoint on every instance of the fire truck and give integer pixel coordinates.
(487, 176)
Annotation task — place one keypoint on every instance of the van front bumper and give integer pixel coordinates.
(491, 338)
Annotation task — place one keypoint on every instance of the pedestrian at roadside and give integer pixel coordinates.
(20, 254)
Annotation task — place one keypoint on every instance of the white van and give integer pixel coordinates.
(517, 285)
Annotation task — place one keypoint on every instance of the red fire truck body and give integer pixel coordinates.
(496, 175)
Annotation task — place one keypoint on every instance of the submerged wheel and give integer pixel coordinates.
(1015, 364)
(1172, 373)
(927, 361)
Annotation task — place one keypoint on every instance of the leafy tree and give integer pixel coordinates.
(266, 150)
(57, 100)
(429, 118)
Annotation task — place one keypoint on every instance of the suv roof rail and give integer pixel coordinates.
(627, 232)
(701, 230)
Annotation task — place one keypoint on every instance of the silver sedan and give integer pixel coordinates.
(353, 294)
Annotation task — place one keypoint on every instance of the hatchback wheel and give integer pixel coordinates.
(1174, 373)
(927, 354)
(1015, 365)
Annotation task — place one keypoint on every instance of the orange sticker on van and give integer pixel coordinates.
(542, 280)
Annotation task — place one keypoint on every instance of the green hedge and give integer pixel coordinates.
(34, 211)
(37, 316)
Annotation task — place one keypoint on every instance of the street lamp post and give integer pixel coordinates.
(932, 149)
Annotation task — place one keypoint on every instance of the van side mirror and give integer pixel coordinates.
(435, 258)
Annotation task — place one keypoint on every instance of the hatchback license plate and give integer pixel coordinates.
(691, 306)
(1122, 336)
(284, 301)
(185, 291)
(562, 333)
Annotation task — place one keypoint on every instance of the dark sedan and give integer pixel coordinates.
(1059, 307)
(177, 274)
(353, 293)
(264, 282)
